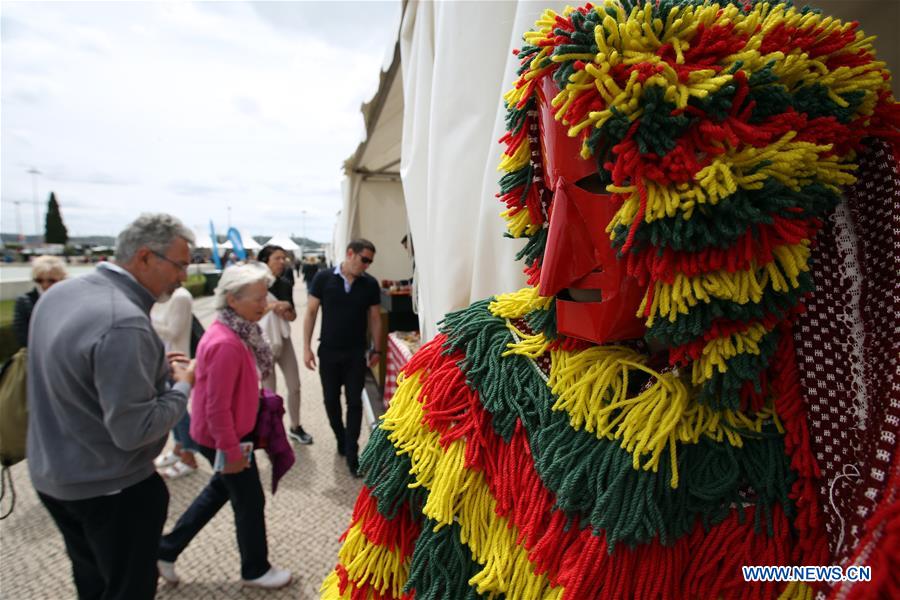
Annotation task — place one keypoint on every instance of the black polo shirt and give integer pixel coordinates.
(344, 314)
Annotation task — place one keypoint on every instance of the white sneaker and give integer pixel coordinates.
(165, 460)
(177, 470)
(273, 579)
(167, 571)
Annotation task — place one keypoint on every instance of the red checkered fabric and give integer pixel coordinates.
(398, 355)
(848, 350)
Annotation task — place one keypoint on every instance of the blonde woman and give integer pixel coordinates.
(46, 271)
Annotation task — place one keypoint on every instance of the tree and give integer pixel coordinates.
(55, 231)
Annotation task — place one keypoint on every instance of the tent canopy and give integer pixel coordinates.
(283, 240)
(374, 207)
(248, 241)
(202, 239)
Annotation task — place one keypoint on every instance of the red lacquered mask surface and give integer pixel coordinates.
(579, 255)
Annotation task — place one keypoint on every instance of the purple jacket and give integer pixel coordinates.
(271, 437)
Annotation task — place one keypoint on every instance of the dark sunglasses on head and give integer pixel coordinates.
(43, 280)
(366, 260)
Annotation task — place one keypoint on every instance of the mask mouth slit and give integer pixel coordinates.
(580, 295)
(594, 183)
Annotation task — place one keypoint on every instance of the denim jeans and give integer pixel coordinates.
(182, 433)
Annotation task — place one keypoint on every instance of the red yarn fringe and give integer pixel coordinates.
(705, 563)
(812, 544)
(364, 591)
(753, 247)
(808, 39)
(399, 533)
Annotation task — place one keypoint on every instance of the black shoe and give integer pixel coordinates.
(353, 465)
(298, 435)
(340, 448)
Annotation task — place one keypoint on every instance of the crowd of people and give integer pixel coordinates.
(101, 412)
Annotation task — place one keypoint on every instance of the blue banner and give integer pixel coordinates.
(215, 246)
(237, 244)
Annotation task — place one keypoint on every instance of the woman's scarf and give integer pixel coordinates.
(251, 334)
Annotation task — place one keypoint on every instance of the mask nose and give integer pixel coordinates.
(577, 240)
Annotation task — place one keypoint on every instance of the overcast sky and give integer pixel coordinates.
(186, 108)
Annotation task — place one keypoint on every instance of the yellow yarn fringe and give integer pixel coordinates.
(385, 570)
(592, 387)
(718, 351)
(794, 164)
(364, 561)
(457, 494)
(518, 222)
(519, 158)
(516, 305)
(529, 345)
(636, 37)
(331, 588)
(782, 275)
(797, 590)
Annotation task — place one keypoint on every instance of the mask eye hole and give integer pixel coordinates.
(581, 295)
(594, 183)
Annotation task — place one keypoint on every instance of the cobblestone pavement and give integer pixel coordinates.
(304, 519)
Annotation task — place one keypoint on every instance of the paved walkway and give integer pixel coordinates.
(304, 519)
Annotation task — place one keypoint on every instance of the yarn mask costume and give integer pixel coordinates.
(703, 373)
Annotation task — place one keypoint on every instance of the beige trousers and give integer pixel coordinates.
(287, 360)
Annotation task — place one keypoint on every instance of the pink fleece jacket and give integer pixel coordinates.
(225, 398)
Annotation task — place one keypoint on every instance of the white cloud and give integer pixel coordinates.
(188, 108)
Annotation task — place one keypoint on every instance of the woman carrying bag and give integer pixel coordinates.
(232, 357)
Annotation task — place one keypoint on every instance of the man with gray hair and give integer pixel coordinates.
(101, 406)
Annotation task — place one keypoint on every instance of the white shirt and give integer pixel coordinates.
(347, 283)
(172, 321)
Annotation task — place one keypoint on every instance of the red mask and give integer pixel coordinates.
(579, 254)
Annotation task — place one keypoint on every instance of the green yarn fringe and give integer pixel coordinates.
(441, 565)
(687, 328)
(387, 475)
(594, 480)
(723, 390)
(720, 226)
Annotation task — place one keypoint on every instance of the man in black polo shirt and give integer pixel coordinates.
(349, 298)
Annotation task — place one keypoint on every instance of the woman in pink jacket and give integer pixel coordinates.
(231, 359)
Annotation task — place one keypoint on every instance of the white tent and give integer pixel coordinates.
(248, 241)
(283, 240)
(373, 203)
(455, 63)
(202, 238)
(450, 68)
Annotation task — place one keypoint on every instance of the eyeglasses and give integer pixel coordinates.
(40, 280)
(366, 260)
(181, 266)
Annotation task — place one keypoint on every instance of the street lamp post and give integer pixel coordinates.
(304, 233)
(18, 204)
(37, 221)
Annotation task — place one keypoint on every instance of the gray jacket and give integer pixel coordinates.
(98, 399)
